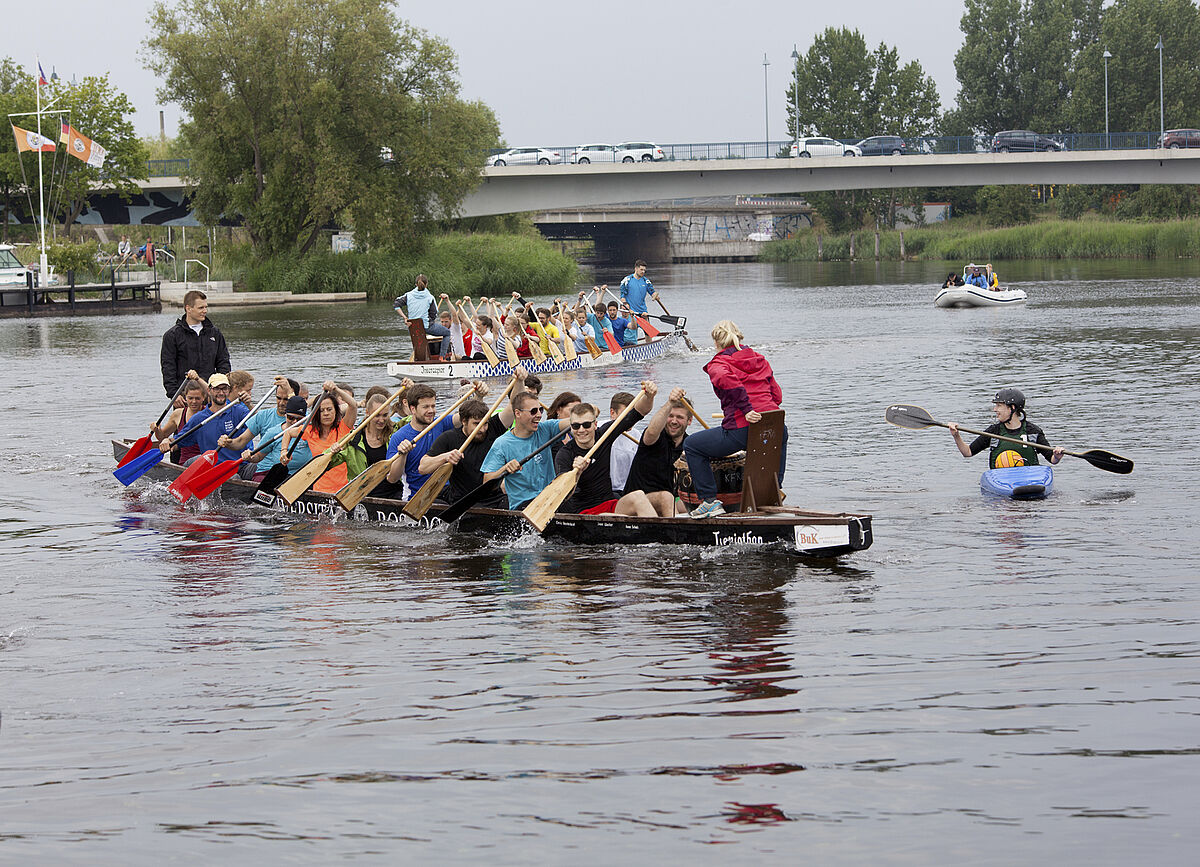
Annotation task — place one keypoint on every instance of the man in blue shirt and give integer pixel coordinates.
(206, 437)
(263, 425)
(636, 288)
(419, 303)
(422, 400)
(623, 326)
(529, 432)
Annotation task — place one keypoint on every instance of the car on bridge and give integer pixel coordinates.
(820, 146)
(638, 152)
(1023, 141)
(594, 153)
(1180, 138)
(525, 157)
(880, 145)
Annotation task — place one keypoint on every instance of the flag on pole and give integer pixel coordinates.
(81, 147)
(31, 141)
(42, 80)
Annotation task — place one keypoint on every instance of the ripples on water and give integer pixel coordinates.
(977, 685)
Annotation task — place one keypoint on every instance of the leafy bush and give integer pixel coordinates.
(80, 258)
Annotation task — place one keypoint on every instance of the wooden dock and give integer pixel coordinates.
(84, 299)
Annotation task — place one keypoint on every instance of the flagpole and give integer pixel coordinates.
(43, 263)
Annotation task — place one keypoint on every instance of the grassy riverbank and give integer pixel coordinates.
(1046, 239)
(457, 264)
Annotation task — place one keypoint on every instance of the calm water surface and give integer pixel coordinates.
(992, 682)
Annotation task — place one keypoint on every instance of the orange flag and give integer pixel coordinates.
(31, 141)
(81, 147)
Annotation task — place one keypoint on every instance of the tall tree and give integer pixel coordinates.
(846, 91)
(1015, 67)
(303, 115)
(1130, 31)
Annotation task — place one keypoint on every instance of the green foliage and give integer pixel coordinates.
(1051, 239)
(304, 115)
(164, 148)
(456, 264)
(80, 258)
(848, 92)
(1130, 30)
(1005, 206)
(1016, 65)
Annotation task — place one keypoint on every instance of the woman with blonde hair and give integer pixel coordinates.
(746, 386)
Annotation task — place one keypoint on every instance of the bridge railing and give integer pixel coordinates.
(757, 150)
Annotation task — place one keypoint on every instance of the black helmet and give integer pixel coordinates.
(1010, 397)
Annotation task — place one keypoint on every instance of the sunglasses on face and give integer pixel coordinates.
(581, 425)
(537, 410)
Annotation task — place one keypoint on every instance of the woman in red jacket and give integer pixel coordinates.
(746, 387)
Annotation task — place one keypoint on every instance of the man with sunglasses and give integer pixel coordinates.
(594, 494)
(206, 437)
(529, 432)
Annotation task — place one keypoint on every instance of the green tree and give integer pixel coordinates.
(1015, 67)
(1129, 31)
(1009, 205)
(16, 95)
(846, 91)
(304, 115)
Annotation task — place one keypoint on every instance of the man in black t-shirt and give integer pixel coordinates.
(447, 448)
(594, 495)
(653, 470)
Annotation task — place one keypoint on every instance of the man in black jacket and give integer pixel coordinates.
(193, 343)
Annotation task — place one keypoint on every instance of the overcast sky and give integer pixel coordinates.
(563, 73)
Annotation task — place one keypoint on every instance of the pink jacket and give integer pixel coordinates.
(743, 381)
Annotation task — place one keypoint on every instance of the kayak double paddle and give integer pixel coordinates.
(916, 418)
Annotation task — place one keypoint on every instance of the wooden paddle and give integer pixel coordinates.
(304, 477)
(915, 418)
(141, 444)
(276, 474)
(544, 505)
(695, 414)
(593, 349)
(419, 503)
(568, 344)
(351, 494)
(138, 467)
(535, 349)
(181, 488)
(456, 509)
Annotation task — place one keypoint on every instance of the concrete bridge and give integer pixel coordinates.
(589, 191)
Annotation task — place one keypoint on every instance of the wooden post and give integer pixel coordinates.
(902, 246)
(71, 288)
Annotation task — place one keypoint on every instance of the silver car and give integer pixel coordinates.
(820, 146)
(525, 157)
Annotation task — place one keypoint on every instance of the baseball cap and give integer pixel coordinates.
(217, 379)
(296, 406)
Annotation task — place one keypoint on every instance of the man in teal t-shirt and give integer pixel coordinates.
(528, 433)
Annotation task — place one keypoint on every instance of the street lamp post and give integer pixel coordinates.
(796, 90)
(1107, 140)
(766, 109)
(1162, 126)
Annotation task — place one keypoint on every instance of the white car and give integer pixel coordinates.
(525, 157)
(638, 151)
(594, 153)
(819, 146)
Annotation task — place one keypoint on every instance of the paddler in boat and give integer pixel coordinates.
(1009, 408)
(422, 400)
(976, 277)
(523, 483)
(194, 398)
(953, 279)
(746, 386)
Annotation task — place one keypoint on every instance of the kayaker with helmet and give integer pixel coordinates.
(1009, 407)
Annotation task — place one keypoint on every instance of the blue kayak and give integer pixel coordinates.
(1018, 483)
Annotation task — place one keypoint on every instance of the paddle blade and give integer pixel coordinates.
(352, 493)
(535, 350)
(543, 507)
(459, 507)
(1108, 461)
(420, 502)
(266, 488)
(555, 352)
(611, 340)
(912, 417)
(303, 478)
(212, 478)
(645, 325)
(593, 349)
(570, 353)
(136, 450)
(510, 350)
(133, 470)
(181, 488)
(490, 354)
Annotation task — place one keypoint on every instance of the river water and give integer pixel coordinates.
(993, 682)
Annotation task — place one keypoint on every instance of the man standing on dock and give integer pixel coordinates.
(636, 288)
(193, 344)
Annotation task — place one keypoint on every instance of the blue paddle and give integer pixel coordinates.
(138, 467)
